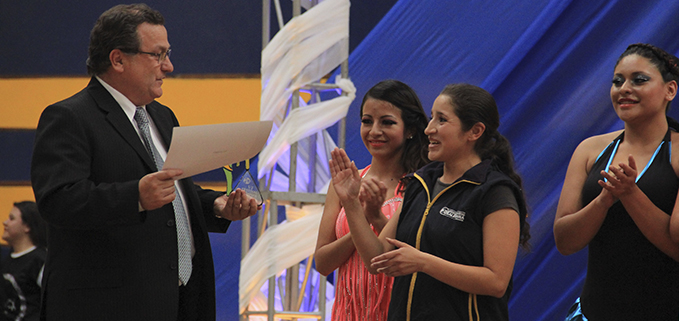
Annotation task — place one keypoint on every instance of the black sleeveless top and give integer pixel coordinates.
(628, 278)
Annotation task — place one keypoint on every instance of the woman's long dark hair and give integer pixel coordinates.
(414, 118)
(472, 104)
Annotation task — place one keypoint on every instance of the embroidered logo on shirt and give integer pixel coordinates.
(450, 213)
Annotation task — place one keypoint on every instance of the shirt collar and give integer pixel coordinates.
(128, 107)
(16, 255)
(476, 174)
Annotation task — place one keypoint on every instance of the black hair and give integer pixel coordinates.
(472, 105)
(116, 28)
(31, 218)
(414, 118)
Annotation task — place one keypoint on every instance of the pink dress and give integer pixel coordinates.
(360, 295)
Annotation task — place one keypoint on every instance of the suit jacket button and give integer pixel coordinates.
(173, 266)
(170, 223)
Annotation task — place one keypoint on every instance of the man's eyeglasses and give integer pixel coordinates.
(161, 56)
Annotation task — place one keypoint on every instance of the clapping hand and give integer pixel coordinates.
(620, 180)
(345, 177)
(372, 195)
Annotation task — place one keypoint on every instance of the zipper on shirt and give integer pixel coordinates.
(419, 236)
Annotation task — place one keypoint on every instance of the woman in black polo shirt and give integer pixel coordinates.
(452, 245)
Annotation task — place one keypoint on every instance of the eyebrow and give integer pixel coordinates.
(385, 116)
(636, 73)
(160, 47)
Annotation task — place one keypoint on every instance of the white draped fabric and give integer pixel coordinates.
(308, 47)
(279, 248)
(305, 121)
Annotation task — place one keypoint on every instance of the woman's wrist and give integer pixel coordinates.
(377, 221)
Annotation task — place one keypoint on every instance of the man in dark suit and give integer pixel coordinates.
(114, 217)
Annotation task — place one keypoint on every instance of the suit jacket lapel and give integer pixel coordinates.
(163, 123)
(118, 119)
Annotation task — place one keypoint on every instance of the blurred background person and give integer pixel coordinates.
(26, 234)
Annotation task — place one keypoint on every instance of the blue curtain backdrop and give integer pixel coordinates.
(549, 65)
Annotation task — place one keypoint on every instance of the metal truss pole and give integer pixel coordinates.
(291, 293)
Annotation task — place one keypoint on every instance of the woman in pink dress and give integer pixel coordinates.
(392, 129)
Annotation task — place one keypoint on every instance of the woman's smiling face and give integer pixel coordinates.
(382, 128)
(638, 89)
(445, 131)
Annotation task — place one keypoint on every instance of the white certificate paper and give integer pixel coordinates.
(198, 149)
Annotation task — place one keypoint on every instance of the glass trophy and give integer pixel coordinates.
(248, 184)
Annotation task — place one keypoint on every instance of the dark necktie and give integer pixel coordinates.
(183, 232)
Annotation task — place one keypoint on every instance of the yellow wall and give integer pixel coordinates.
(195, 101)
